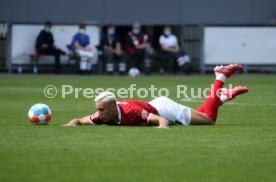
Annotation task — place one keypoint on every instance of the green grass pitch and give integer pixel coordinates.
(240, 147)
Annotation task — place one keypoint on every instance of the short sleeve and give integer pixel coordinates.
(161, 39)
(75, 38)
(175, 39)
(95, 119)
(145, 115)
(142, 114)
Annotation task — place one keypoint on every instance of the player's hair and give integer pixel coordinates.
(48, 23)
(110, 25)
(107, 97)
(167, 26)
(82, 26)
(136, 24)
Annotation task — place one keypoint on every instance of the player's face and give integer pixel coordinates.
(105, 110)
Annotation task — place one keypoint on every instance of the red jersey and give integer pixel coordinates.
(134, 40)
(130, 113)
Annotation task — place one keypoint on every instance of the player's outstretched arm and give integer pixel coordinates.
(76, 122)
(161, 122)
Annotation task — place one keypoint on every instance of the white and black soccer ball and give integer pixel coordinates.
(40, 114)
(134, 72)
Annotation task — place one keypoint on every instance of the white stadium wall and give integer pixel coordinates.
(23, 37)
(243, 45)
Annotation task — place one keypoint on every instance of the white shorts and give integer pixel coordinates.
(84, 53)
(175, 113)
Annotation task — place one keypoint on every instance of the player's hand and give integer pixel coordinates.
(88, 49)
(118, 52)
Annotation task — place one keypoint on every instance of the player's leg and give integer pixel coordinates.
(200, 118)
(83, 63)
(90, 56)
(227, 94)
(84, 59)
(210, 107)
(53, 52)
(207, 112)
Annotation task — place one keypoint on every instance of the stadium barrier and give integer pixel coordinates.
(253, 46)
(207, 45)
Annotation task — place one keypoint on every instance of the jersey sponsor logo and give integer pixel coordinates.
(144, 114)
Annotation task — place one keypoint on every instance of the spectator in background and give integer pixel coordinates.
(169, 50)
(136, 46)
(112, 51)
(80, 44)
(45, 45)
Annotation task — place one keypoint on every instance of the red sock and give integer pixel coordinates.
(212, 102)
(201, 108)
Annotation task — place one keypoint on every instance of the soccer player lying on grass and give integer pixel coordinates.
(163, 111)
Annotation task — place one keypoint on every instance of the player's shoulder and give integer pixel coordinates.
(173, 37)
(162, 36)
(76, 36)
(129, 103)
(124, 102)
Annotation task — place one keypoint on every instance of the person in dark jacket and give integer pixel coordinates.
(45, 45)
(136, 45)
(112, 51)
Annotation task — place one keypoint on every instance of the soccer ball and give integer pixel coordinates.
(40, 114)
(133, 72)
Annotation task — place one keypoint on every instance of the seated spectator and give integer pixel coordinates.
(136, 46)
(45, 45)
(169, 50)
(80, 44)
(112, 51)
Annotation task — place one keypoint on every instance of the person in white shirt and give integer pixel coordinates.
(169, 50)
